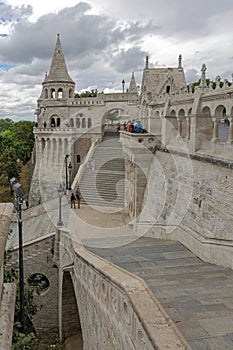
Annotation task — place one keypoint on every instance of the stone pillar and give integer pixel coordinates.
(215, 130)
(187, 128)
(179, 120)
(230, 137)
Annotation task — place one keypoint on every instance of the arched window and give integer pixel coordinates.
(53, 94)
(71, 93)
(78, 123)
(60, 93)
(46, 93)
(89, 122)
(58, 122)
(52, 123)
(83, 122)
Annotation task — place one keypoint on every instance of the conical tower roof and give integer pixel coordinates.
(132, 85)
(58, 70)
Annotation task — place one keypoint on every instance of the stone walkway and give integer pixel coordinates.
(198, 296)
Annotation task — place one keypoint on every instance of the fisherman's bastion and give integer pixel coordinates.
(146, 262)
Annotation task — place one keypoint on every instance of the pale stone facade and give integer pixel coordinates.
(7, 290)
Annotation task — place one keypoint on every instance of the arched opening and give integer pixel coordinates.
(89, 123)
(222, 123)
(205, 125)
(60, 93)
(58, 122)
(52, 123)
(83, 122)
(45, 93)
(181, 125)
(71, 93)
(52, 93)
(78, 123)
(71, 326)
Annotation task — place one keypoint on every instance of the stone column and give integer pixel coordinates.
(179, 120)
(187, 128)
(230, 137)
(215, 130)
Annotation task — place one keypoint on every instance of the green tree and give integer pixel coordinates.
(9, 167)
(6, 124)
(24, 139)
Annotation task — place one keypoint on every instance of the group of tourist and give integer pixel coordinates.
(132, 126)
(75, 197)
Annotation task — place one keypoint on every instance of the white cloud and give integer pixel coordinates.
(104, 42)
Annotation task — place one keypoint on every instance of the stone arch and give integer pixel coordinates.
(205, 125)
(71, 93)
(89, 123)
(83, 123)
(182, 130)
(46, 94)
(60, 93)
(220, 112)
(52, 122)
(52, 93)
(78, 122)
(71, 325)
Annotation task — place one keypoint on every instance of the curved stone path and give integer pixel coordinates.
(198, 296)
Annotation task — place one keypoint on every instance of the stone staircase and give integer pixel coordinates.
(105, 186)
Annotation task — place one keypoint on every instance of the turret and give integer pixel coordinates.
(132, 85)
(58, 83)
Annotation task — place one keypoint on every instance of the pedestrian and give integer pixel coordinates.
(93, 164)
(72, 200)
(78, 197)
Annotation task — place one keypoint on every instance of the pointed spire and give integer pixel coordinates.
(147, 62)
(180, 62)
(58, 70)
(132, 85)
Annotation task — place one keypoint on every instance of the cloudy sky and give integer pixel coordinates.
(103, 43)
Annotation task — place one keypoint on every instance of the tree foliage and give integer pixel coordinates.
(92, 93)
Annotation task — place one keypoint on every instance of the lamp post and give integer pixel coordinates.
(19, 199)
(69, 171)
(60, 192)
(123, 85)
(66, 156)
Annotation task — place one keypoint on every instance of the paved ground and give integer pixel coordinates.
(198, 296)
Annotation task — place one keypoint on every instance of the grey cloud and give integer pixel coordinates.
(9, 13)
(127, 60)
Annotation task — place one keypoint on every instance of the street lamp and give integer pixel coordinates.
(66, 156)
(60, 193)
(123, 85)
(69, 170)
(19, 199)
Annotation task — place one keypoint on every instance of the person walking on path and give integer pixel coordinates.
(93, 164)
(78, 197)
(72, 200)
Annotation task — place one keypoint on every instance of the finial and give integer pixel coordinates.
(147, 62)
(180, 62)
(203, 77)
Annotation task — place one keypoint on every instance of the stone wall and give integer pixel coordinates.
(38, 258)
(7, 290)
(116, 309)
(190, 200)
